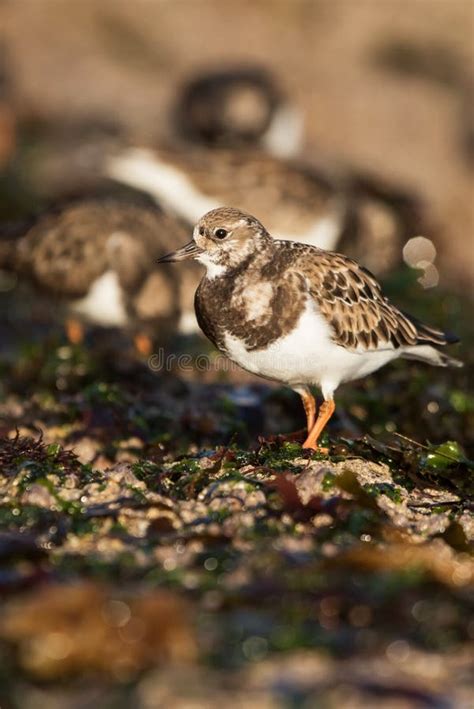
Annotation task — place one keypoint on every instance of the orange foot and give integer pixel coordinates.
(74, 331)
(325, 412)
(143, 344)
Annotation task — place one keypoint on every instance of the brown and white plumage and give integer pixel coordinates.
(296, 313)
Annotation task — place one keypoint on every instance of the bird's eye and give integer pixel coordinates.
(221, 233)
(201, 231)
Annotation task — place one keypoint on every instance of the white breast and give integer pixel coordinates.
(307, 355)
(103, 304)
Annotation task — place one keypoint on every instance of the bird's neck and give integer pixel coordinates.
(253, 261)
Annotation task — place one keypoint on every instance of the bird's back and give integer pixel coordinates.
(352, 301)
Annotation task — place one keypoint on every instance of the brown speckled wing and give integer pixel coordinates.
(65, 252)
(352, 301)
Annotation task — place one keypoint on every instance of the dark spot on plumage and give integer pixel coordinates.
(375, 339)
(273, 268)
(363, 339)
(269, 271)
(357, 279)
(367, 291)
(351, 294)
(351, 340)
(385, 333)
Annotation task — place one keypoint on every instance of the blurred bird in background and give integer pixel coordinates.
(233, 133)
(238, 140)
(95, 259)
(299, 203)
(238, 106)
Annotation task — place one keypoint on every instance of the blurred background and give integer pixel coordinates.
(383, 91)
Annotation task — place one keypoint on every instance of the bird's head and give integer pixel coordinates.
(229, 107)
(223, 238)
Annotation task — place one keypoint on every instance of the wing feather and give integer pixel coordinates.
(352, 301)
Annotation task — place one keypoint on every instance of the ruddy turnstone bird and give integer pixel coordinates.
(238, 106)
(298, 314)
(96, 256)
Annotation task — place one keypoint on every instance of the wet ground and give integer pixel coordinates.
(163, 545)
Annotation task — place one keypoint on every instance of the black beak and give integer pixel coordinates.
(191, 250)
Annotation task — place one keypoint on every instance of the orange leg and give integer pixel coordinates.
(143, 344)
(309, 404)
(325, 412)
(74, 331)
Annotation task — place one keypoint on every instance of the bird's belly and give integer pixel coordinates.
(293, 358)
(307, 355)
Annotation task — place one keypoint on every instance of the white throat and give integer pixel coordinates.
(213, 269)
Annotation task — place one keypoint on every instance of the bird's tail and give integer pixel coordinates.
(430, 355)
(428, 339)
(428, 335)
